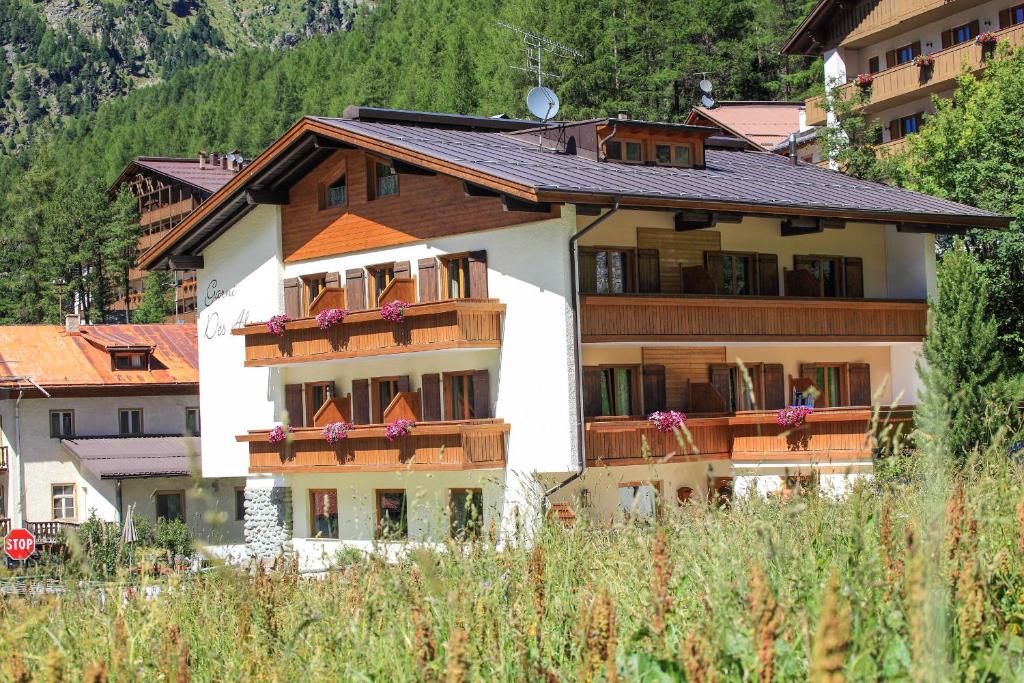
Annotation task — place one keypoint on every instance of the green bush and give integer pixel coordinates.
(175, 537)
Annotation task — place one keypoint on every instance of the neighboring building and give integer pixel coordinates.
(564, 281)
(883, 38)
(94, 418)
(765, 126)
(168, 190)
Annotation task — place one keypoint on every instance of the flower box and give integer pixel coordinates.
(277, 324)
(793, 416)
(398, 428)
(279, 434)
(394, 311)
(924, 61)
(987, 39)
(336, 432)
(667, 421)
(864, 80)
(330, 317)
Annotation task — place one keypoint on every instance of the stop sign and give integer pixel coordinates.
(19, 544)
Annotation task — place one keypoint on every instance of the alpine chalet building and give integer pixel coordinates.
(526, 295)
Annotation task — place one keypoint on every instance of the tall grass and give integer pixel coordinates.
(768, 590)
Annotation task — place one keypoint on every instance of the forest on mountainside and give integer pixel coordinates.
(442, 55)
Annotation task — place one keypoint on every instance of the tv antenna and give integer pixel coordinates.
(542, 101)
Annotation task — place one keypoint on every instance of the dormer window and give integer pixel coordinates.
(385, 180)
(673, 155)
(131, 360)
(337, 193)
(624, 150)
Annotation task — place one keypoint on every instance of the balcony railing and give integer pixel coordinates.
(450, 324)
(867, 23)
(50, 533)
(829, 435)
(906, 82)
(432, 446)
(607, 318)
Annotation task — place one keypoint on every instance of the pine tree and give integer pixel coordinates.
(157, 300)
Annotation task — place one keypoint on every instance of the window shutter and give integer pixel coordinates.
(361, 401)
(890, 59)
(292, 298)
(716, 269)
(774, 386)
(648, 267)
(402, 269)
(695, 280)
(860, 384)
(430, 395)
(427, 279)
(293, 405)
(1004, 18)
(767, 274)
(481, 395)
(588, 271)
(654, 388)
(591, 392)
(478, 274)
(333, 279)
(720, 380)
(947, 38)
(915, 48)
(402, 383)
(355, 289)
(853, 274)
(894, 130)
(975, 28)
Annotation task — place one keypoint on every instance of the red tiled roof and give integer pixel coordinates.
(210, 178)
(763, 123)
(54, 358)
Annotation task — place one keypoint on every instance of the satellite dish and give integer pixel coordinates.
(705, 86)
(542, 103)
(707, 101)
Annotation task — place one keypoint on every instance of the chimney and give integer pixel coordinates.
(214, 159)
(623, 115)
(792, 149)
(202, 159)
(224, 161)
(72, 324)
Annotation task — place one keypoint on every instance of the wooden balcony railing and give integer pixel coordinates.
(718, 318)
(168, 212)
(49, 533)
(432, 446)
(829, 435)
(905, 82)
(867, 23)
(450, 324)
(3, 458)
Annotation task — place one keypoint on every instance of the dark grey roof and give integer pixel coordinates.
(140, 456)
(755, 179)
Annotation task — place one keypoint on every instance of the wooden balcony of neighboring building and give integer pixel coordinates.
(168, 214)
(448, 324)
(830, 435)
(891, 148)
(906, 82)
(869, 23)
(657, 317)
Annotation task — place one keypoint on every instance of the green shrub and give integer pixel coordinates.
(174, 537)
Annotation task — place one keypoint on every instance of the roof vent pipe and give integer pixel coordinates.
(623, 115)
(792, 149)
(202, 159)
(72, 323)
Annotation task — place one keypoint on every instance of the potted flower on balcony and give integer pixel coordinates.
(394, 311)
(330, 317)
(276, 324)
(924, 61)
(793, 416)
(864, 80)
(279, 434)
(398, 428)
(988, 41)
(336, 432)
(667, 421)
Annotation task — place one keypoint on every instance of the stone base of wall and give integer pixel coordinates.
(268, 521)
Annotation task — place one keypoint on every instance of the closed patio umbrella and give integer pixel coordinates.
(128, 533)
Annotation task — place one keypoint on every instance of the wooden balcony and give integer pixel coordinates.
(432, 446)
(906, 82)
(50, 533)
(450, 324)
(870, 22)
(829, 435)
(611, 318)
(168, 213)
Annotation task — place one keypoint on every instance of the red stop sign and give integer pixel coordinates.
(19, 544)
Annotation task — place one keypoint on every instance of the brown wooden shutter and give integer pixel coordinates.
(894, 130)
(402, 383)
(427, 279)
(355, 289)
(292, 298)
(430, 397)
(1004, 18)
(402, 268)
(478, 274)
(947, 38)
(975, 27)
(481, 395)
(716, 269)
(890, 59)
(915, 48)
(774, 386)
(591, 391)
(654, 388)
(361, 401)
(767, 275)
(333, 280)
(853, 275)
(588, 270)
(860, 384)
(720, 380)
(293, 404)
(648, 267)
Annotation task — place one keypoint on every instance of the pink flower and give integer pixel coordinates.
(667, 421)
(279, 433)
(330, 317)
(394, 311)
(793, 416)
(397, 428)
(987, 38)
(277, 324)
(335, 432)
(864, 80)
(924, 60)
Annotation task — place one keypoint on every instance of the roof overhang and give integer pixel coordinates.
(137, 166)
(805, 39)
(136, 457)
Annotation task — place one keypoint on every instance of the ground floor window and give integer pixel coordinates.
(323, 505)
(638, 500)
(63, 501)
(392, 514)
(467, 509)
(170, 506)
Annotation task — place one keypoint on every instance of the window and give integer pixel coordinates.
(392, 515)
(323, 518)
(683, 155)
(1015, 15)
(455, 277)
(317, 394)
(905, 54)
(873, 65)
(459, 392)
(618, 388)
(613, 150)
(634, 152)
(606, 271)
(386, 180)
(192, 421)
(380, 277)
(467, 510)
(737, 274)
(382, 391)
(741, 396)
(962, 34)
(312, 285)
(239, 503)
(131, 361)
(170, 506)
(673, 155)
(909, 124)
(663, 154)
(337, 193)
(827, 271)
(828, 380)
(63, 501)
(638, 500)
(130, 421)
(62, 424)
